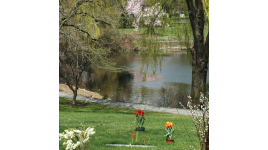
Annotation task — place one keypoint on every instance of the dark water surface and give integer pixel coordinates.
(174, 79)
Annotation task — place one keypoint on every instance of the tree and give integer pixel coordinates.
(199, 16)
(151, 17)
(79, 37)
(72, 62)
(200, 50)
(199, 53)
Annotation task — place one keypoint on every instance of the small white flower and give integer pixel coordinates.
(66, 136)
(77, 131)
(69, 141)
(77, 144)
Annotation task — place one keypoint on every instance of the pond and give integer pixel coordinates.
(168, 87)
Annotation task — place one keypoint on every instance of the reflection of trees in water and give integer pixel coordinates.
(139, 77)
(118, 86)
(178, 59)
(169, 97)
(114, 85)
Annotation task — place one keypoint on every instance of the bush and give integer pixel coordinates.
(115, 41)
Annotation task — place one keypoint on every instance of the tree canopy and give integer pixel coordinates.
(81, 24)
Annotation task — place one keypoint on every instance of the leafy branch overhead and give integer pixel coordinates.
(81, 24)
(84, 15)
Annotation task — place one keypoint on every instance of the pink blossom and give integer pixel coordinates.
(136, 7)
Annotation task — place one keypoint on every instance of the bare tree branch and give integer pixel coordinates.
(96, 19)
(76, 27)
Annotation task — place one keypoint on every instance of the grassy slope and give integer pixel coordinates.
(114, 125)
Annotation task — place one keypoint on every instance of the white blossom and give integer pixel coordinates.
(74, 138)
(136, 7)
(76, 145)
(77, 131)
(200, 115)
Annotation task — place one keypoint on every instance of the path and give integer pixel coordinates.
(128, 105)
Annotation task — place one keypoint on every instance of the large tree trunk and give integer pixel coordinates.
(200, 50)
(198, 82)
(199, 73)
(200, 53)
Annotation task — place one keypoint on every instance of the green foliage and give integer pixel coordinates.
(93, 28)
(206, 11)
(184, 34)
(81, 27)
(88, 21)
(125, 21)
(151, 39)
(171, 6)
(170, 132)
(140, 120)
(115, 41)
(151, 54)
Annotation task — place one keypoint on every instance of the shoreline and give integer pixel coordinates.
(180, 111)
(81, 92)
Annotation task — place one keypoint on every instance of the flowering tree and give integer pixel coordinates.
(200, 117)
(148, 16)
(200, 114)
(135, 6)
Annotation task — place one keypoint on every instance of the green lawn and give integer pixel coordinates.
(130, 30)
(114, 125)
(171, 32)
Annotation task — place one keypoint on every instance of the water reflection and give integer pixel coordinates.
(172, 82)
(106, 82)
(140, 77)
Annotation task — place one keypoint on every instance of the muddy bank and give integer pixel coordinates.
(82, 92)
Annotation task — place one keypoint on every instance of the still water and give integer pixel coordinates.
(171, 83)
